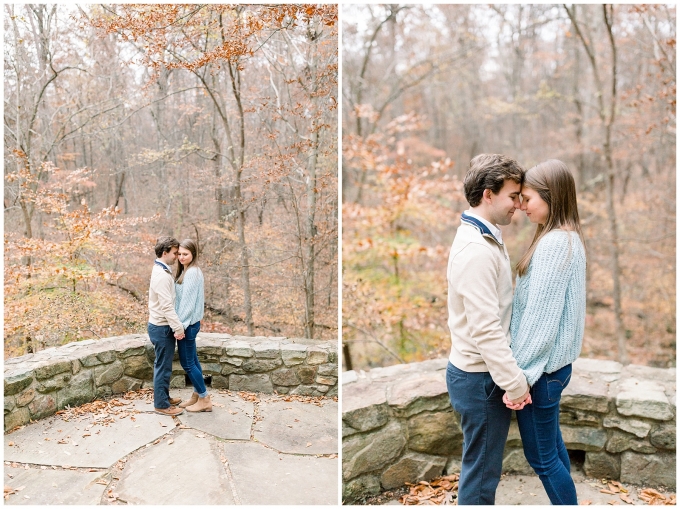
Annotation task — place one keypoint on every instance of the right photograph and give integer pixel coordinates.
(508, 254)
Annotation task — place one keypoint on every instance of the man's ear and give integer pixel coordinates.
(486, 195)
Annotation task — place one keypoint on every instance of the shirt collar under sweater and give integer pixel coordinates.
(163, 265)
(474, 219)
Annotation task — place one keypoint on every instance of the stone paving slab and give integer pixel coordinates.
(104, 446)
(191, 469)
(231, 418)
(53, 487)
(265, 477)
(187, 471)
(302, 428)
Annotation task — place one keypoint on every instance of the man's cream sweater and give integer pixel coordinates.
(480, 308)
(162, 299)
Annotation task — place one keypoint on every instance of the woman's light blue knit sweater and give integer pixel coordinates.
(549, 306)
(189, 297)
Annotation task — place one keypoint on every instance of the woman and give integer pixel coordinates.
(548, 318)
(189, 307)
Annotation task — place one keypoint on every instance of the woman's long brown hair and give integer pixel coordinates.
(554, 183)
(191, 246)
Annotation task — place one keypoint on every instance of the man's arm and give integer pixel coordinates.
(477, 285)
(164, 287)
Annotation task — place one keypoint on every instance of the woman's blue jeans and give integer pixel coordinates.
(539, 426)
(188, 358)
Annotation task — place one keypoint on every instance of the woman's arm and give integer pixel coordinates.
(547, 287)
(192, 289)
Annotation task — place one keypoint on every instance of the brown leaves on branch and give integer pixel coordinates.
(56, 290)
(192, 36)
(396, 238)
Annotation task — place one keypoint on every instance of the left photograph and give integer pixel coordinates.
(170, 254)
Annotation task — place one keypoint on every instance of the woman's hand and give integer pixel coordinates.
(516, 406)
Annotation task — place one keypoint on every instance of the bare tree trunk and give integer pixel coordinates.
(119, 188)
(607, 123)
(308, 269)
(235, 76)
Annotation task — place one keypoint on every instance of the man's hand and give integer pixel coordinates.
(519, 403)
(179, 335)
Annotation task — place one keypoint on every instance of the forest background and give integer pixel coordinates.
(126, 122)
(426, 88)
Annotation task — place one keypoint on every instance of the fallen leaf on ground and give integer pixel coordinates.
(102, 481)
(613, 488)
(157, 441)
(171, 441)
(625, 498)
(607, 492)
(585, 502)
(8, 491)
(309, 444)
(613, 502)
(11, 444)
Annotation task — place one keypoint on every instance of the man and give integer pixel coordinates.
(164, 326)
(481, 366)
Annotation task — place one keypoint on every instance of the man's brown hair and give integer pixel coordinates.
(164, 245)
(490, 171)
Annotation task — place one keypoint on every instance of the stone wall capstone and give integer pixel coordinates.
(398, 425)
(38, 385)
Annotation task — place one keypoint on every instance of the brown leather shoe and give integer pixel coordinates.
(174, 401)
(171, 411)
(192, 400)
(202, 405)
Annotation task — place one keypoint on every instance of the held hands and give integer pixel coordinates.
(179, 335)
(519, 403)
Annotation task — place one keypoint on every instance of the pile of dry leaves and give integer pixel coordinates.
(440, 491)
(105, 412)
(653, 497)
(649, 495)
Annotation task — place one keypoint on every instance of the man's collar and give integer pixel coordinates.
(163, 265)
(484, 226)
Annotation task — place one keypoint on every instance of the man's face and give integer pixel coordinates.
(503, 205)
(170, 257)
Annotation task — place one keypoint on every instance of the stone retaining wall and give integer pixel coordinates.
(398, 425)
(37, 385)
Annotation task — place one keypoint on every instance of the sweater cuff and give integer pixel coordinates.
(519, 388)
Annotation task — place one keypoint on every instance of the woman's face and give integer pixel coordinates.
(184, 256)
(532, 204)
